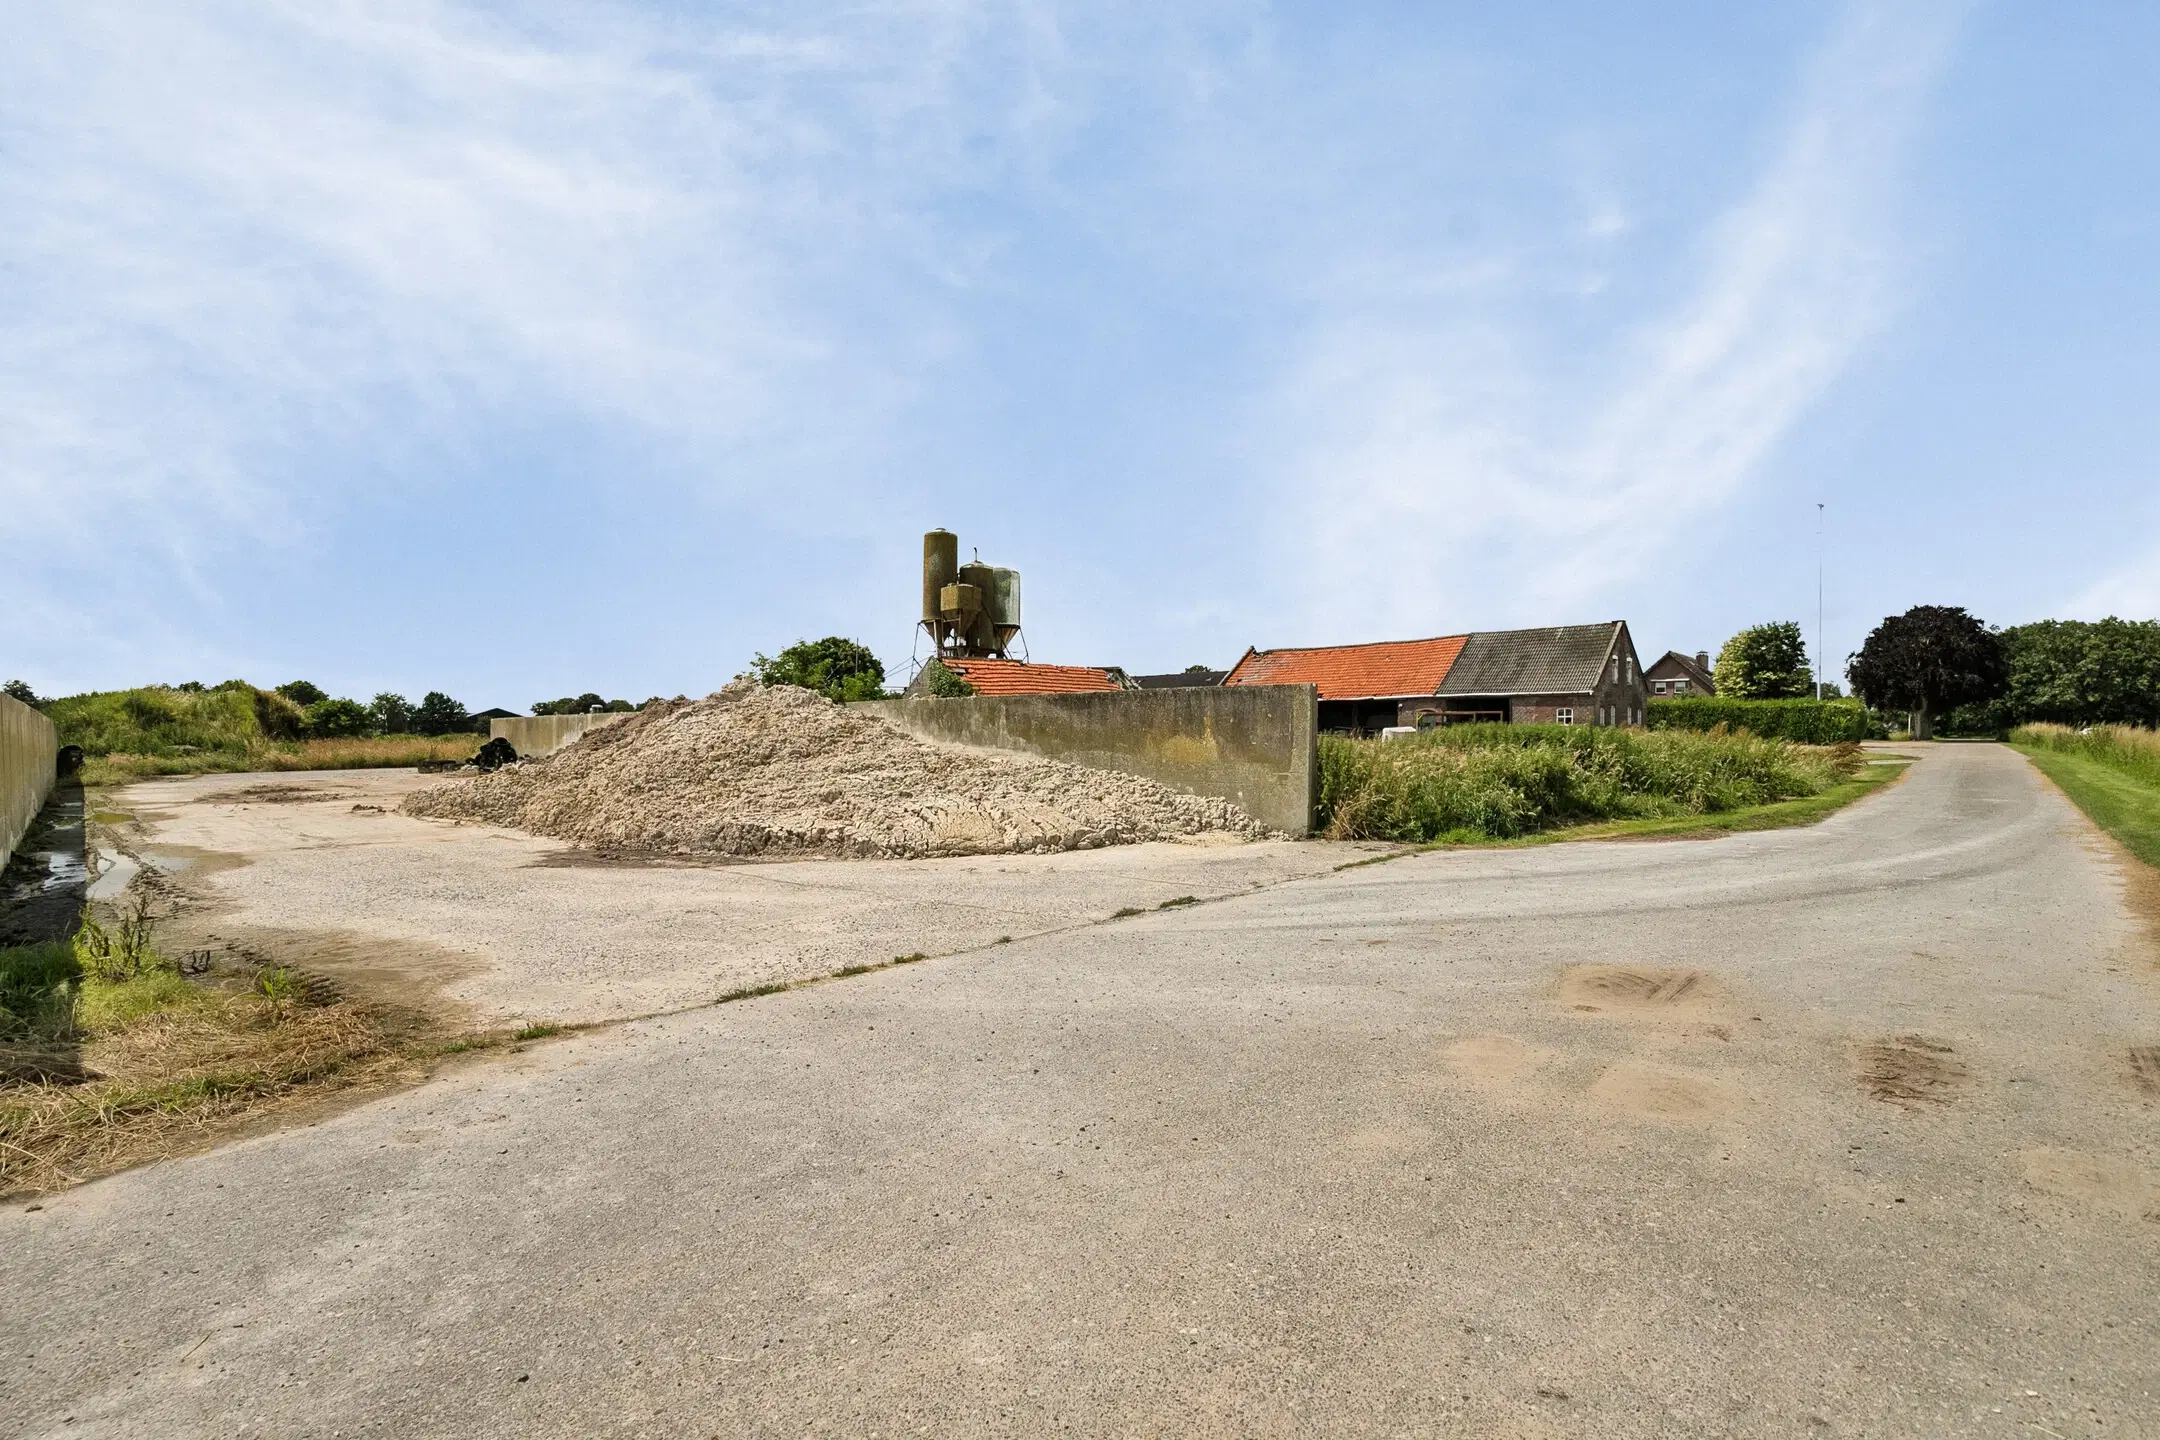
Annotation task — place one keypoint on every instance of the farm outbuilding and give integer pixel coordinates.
(1562, 674)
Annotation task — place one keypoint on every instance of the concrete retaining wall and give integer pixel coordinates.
(29, 748)
(535, 735)
(1251, 744)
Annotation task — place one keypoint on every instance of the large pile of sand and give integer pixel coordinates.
(755, 771)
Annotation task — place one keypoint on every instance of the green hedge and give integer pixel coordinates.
(1497, 781)
(1808, 722)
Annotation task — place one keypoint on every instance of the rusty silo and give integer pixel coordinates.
(972, 611)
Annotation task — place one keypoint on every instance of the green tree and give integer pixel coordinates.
(330, 718)
(836, 668)
(2079, 672)
(302, 692)
(1928, 660)
(1765, 662)
(393, 714)
(583, 705)
(944, 682)
(22, 692)
(438, 714)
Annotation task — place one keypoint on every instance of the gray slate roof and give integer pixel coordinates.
(1556, 660)
(1181, 680)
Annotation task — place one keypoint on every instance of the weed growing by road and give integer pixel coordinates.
(1128, 911)
(1179, 903)
(109, 1055)
(751, 992)
(540, 1030)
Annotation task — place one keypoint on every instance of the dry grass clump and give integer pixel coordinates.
(110, 1055)
(1501, 781)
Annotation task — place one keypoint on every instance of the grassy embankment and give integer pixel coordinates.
(130, 734)
(1485, 784)
(2111, 772)
(110, 1055)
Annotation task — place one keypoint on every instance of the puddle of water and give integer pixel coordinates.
(42, 884)
(115, 872)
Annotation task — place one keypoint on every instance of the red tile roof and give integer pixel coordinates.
(1017, 677)
(1387, 669)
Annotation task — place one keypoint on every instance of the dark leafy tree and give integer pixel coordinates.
(22, 692)
(302, 693)
(836, 668)
(330, 718)
(1929, 659)
(1765, 662)
(438, 714)
(393, 714)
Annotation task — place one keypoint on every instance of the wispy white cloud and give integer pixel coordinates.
(2132, 591)
(237, 231)
(1474, 473)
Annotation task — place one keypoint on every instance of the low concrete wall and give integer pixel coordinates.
(29, 748)
(536, 735)
(1251, 744)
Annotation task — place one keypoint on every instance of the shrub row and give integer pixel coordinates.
(1498, 781)
(1805, 722)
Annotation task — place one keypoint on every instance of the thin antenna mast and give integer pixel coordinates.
(1820, 658)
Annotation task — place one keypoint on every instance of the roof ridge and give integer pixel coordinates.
(1358, 644)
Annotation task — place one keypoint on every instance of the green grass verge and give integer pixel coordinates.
(1777, 815)
(2119, 803)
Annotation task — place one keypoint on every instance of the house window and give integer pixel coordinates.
(1563, 716)
(1679, 687)
(1657, 687)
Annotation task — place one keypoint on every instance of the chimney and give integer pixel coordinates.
(1702, 658)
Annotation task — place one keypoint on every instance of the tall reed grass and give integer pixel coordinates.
(2126, 748)
(379, 753)
(1502, 781)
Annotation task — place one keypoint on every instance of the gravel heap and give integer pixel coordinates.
(757, 771)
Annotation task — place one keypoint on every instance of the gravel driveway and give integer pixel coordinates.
(1845, 1130)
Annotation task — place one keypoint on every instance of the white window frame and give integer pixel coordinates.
(1565, 715)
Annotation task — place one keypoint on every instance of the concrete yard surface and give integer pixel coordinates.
(320, 871)
(1844, 1130)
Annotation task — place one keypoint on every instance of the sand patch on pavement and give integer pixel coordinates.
(1910, 1070)
(1645, 990)
(1656, 1092)
(2097, 1182)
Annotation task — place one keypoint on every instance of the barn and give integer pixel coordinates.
(1560, 674)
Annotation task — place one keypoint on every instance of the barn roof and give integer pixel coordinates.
(1385, 669)
(1555, 660)
(1018, 677)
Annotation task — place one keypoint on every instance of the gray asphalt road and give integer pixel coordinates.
(1820, 1132)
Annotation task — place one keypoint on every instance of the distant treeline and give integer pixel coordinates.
(1806, 722)
(2072, 672)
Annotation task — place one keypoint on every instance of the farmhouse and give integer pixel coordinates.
(1564, 674)
(1678, 674)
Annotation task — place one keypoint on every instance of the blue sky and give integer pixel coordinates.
(519, 351)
